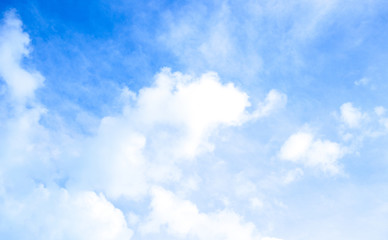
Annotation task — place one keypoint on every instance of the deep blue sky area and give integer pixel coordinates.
(99, 45)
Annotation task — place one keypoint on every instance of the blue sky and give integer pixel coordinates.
(252, 120)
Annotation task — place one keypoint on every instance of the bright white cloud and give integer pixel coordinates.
(197, 106)
(25, 148)
(169, 121)
(303, 147)
(183, 219)
(160, 126)
(112, 161)
(351, 116)
(13, 47)
(29, 151)
(58, 214)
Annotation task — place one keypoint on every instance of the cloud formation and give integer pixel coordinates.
(184, 220)
(161, 126)
(14, 46)
(303, 147)
(351, 116)
(58, 214)
(54, 184)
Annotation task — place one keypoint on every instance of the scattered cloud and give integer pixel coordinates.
(51, 177)
(351, 116)
(275, 100)
(162, 125)
(183, 219)
(59, 214)
(305, 148)
(292, 175)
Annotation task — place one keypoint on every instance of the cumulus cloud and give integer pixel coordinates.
(59, 214)
(197, 106)
(351, 116)
(303, 147)
(28, 153)
(13, 47)
(49, 179)
(164, 124)
(183, 219)
(24, 143)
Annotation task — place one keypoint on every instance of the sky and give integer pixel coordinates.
(221, 120)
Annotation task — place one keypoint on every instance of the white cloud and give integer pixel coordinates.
(351, 116)
(303, 147)
(256, 203)
(58, 214)
(205, 38)
(197, 106)
(112, 161)
(30, 154)
(380, 110)
(292, 175)
(160, 126)
(13, 47)
(273, 101)
(26, 146)
(296, 146)
(362, 82)
(183, 220)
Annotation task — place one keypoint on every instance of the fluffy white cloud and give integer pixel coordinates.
(183, 220)
(112, 161)
(195, 105)
(273, 101)
(351, 116)
(13, 47)
(58, 214)
(160, 126)
(28, 153)
(304, 148)
(25, 147)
